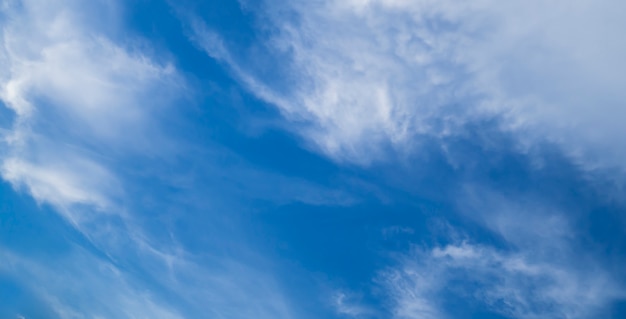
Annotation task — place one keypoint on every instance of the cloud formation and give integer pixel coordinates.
(368, 74)
(84, 100)
(513, 285)
(158, 212)
(79, 285)
(537, 268)
(71, 89)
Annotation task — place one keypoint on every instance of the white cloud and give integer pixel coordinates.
(514, 284)
(229, 288)
(70, 86)
(540, 269)
(65, 184)
(524, 221)
(349, 305)
(57, 185)
(79, 100)
(358, 76)
(79, 285)
(364, 74)
(84, 101)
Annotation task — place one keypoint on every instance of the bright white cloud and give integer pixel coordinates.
(76, 96)
(68, 86)
(540, 271)
(65, 185)
(84, 100)
(517, 285)
(78, 99)
(375, 72)
(358, 76)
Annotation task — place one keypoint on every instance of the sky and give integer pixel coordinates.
(307, 159)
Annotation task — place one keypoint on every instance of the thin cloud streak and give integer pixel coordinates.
(538, 271)
(79, 285)
(364, 81)
(367, 74)
(512, 284)
(80, 100)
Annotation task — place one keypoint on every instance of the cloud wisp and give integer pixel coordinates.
(161, 220)
(71, 89)
(367, 80)
(84, 101)
(512, 284)
(538, 270)
(362, 75)
(103, 291)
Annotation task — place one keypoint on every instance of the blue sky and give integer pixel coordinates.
(425, 159)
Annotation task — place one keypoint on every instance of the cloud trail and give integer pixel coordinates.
(366, 74)
(84, 102)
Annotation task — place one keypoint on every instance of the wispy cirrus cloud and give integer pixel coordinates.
(84, 100)
(362, 80)
(73, 91)
(349, 305)
(537, 270)
(366, 74)
(81, 285)
(76, 96)
(511, 284)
